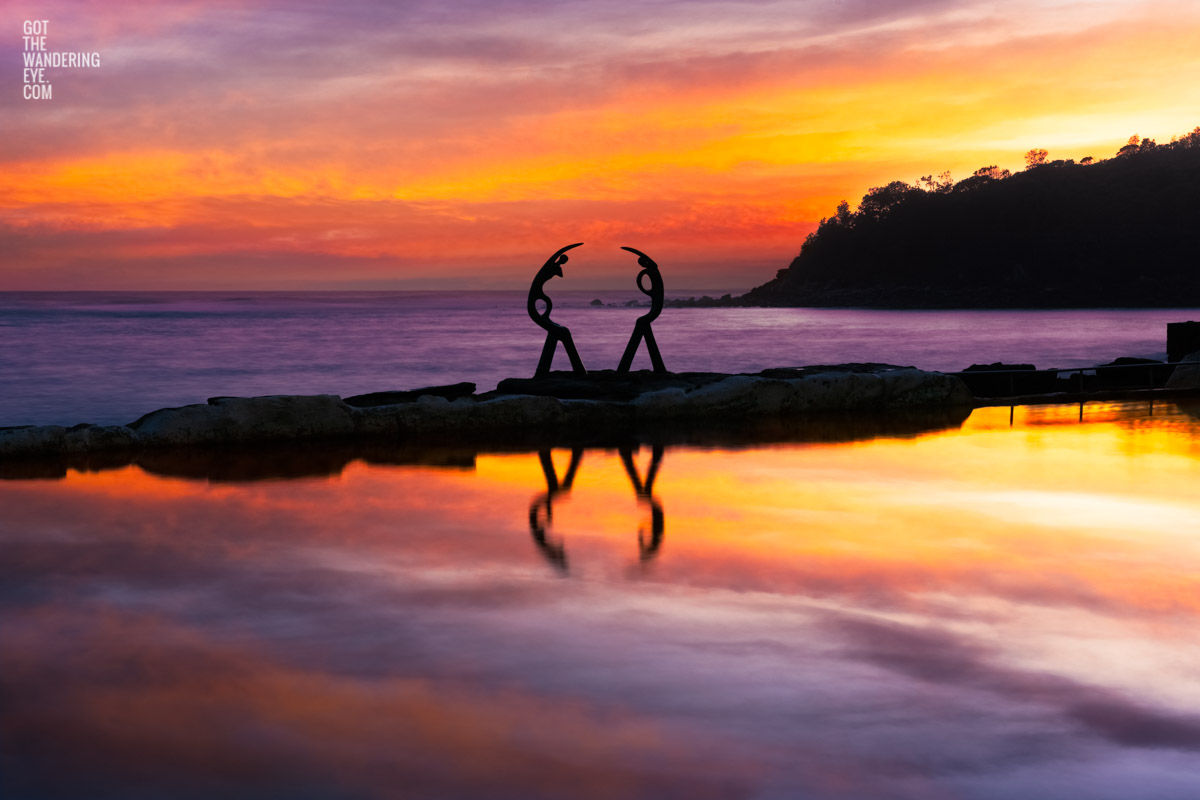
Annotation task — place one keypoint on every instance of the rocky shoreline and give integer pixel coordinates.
(602, 404)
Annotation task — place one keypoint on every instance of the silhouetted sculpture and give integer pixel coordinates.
(641, 328)
(647, 548)
(556, 554)
(555, 333)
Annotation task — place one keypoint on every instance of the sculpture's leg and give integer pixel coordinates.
(642, 330)
(648, 549)
(626, 453)
(576, 458)
(631, 348)
(656, 454)
(572, 353)
(555, 553)
(541, 512)
(652, 347)
(549, 471)
(543, 367)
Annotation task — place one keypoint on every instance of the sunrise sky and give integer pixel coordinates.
(371, 144)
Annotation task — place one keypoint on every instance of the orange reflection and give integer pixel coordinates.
(1050, 508)
(386, 626)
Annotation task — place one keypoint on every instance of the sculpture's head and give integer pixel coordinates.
(554, 264)
(644, 261)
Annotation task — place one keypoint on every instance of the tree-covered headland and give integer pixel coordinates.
(1117, 232)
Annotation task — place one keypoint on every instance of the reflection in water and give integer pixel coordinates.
(647, 547)
(982, 612)
(541, 511)
(289, 460)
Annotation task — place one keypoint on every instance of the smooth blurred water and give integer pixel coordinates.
(109, 357)
(1001, 608)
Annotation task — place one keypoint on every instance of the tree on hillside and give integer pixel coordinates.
(940, 185)
(1036, 157)
(879, 200)
(993, 172)
(1187, 140)
(982, 177)
(1132, 146)
(1115, 231)
(844, 215)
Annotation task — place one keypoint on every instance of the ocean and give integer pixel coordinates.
(109, 357)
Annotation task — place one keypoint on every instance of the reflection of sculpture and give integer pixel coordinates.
(641, 328)
(645, 492)
(555, 333)
(541, 513)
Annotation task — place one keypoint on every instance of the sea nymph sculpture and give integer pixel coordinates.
(641, 328)
(555, 333)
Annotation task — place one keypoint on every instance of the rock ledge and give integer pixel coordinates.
(602, 402)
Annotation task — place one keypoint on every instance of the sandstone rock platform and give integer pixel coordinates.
(562, 406)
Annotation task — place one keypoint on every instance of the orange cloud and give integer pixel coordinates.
(717, 145)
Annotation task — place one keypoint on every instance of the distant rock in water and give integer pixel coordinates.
(1114, 233)
(705, 302)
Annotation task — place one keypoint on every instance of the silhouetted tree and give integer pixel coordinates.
(993, 172)
(1131, 147)
(940, 185)
(879, 200)
(845, 216)
(1187, 140)
(1116, 232)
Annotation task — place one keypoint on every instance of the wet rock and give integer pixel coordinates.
(86, 438)
(449, 391)
(32, 440)
(824, 391)
(914, 388)
(596, 406)
(735, 396)
(246, 419)
(606, 384)
(85, 445)
(1186, 376)
(742, 396)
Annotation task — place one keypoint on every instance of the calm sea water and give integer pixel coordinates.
(989, 611)
(111, 357)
